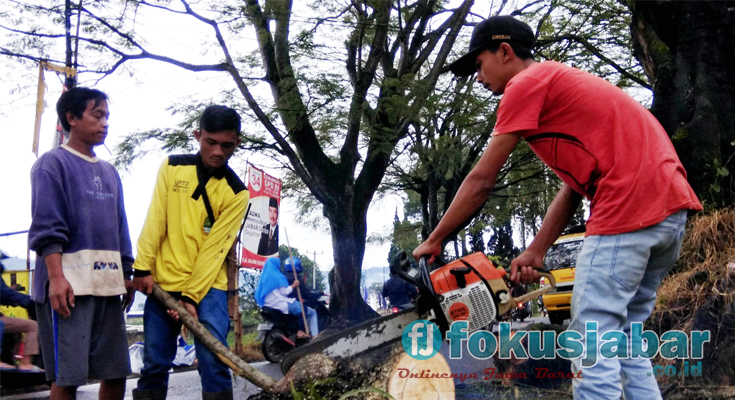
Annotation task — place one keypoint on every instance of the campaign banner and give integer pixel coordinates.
(260, 233)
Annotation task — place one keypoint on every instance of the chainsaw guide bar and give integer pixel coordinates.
(470, 289)
(354, 341)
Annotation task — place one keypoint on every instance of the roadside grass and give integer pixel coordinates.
(251, 351)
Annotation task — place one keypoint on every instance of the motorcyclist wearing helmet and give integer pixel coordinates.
(306, 294)
(273, 291)
(399, 292)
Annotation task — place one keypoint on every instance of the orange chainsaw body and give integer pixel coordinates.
(464, 295)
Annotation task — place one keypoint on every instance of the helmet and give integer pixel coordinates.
(293, 262)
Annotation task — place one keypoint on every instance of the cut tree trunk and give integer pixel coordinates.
(385, 371)
(404, 377)
(403, 385)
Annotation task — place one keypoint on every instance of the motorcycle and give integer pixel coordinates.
(520, 312)
(278, 331)
(540, 303)
(398, 308)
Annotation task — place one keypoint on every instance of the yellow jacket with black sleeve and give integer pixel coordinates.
(178, 245)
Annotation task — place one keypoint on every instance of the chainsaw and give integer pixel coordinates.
(469, 289)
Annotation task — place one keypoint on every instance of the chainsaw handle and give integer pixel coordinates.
(430, 300)
(538, 292)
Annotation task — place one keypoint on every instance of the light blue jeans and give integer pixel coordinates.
(616, 281)
(294, 308)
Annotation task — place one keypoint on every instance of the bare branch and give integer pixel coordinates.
(349, 153)
(290, 107)
(10, 53)
(145, 3)
(592, 49)
(113, 29)
(34, 34)
(419, 98)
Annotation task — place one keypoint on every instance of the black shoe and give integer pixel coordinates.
(154, 394)
(226, 395)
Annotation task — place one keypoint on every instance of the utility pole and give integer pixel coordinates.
(70, 71)
(70, 81)
(314, 272)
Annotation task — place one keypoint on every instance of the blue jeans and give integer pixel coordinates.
(616, 281)
(161, 332)
(294, 308)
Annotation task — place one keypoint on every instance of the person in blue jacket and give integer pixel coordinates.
(294, 263)
(273, 291)
(10, 297)
(399, 292)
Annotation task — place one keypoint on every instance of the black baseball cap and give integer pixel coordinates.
(501, 28)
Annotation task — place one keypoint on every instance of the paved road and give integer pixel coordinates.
(182, 386)
(187, 386)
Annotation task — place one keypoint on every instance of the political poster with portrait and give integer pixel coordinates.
(260, 233)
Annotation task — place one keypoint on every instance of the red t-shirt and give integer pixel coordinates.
(599, 141)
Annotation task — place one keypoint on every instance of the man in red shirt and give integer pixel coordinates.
(604, 146)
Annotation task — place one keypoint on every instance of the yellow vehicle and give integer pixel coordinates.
(19, 281)
(561, 261)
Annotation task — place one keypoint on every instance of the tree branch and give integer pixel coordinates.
(10, 53)
(592, 49)
(377, 160)
(317, 167)
(349, 153)
(145, 3)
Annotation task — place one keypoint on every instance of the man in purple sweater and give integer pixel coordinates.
(84, 256)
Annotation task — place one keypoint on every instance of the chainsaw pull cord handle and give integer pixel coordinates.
(538, 292)
(459, 274)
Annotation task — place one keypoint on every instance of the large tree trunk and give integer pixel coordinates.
(687, 49)
(335, 182)
(349, 233)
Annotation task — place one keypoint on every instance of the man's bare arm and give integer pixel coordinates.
(556, 219)
(61, 295)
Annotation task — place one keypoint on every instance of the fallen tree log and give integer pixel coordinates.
(234, 362)
(387, 371)
(383, 374)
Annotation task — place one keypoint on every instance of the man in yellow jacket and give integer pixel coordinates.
(197, 207)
